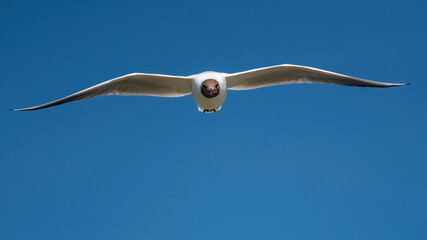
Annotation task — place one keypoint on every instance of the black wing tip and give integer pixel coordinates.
(17, 109)
(402, 84)
(21, 109)
(398, 84)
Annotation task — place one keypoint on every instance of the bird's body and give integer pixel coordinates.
(209, 89)
(209, 104)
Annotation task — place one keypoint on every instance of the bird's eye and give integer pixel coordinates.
(204, 86)
(217, 85)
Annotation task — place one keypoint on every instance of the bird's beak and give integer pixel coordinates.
(211, 91)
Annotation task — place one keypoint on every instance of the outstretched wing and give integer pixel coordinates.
(288, 74)
(131, 84)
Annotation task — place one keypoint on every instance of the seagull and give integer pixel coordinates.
(209, 89)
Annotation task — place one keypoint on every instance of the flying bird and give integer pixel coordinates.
(209, 89)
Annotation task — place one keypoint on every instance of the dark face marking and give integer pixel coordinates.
(210, 88)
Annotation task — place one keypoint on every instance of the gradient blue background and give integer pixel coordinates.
(289, 162)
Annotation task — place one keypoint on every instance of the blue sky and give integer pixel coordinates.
(289, 162)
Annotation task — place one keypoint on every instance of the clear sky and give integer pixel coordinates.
(289, 162)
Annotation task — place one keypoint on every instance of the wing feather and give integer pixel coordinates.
(289, 74)
(131, 84)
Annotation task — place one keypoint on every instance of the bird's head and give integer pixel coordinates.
(210, 88)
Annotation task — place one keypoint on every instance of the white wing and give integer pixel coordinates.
(131, 84)
(287, 74)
